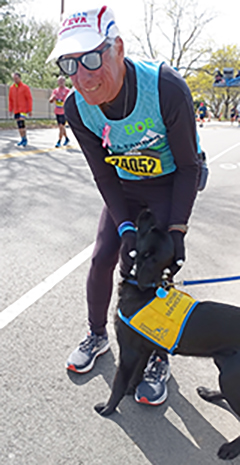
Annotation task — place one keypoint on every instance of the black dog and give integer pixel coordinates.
(212, 330)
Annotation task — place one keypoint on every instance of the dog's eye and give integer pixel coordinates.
(151, 251)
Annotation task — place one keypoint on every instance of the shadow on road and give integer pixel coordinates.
(173, 433)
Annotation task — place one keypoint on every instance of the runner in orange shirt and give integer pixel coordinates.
(20, 104)
(58, 97)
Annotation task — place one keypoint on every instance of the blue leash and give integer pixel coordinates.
(193, 282)
(207, 281)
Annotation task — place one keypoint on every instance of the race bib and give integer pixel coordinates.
(138, 164)
(163, 319)
(59, 103)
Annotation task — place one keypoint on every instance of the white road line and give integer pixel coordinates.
(15, 309)
(223, 153)
(11, 312)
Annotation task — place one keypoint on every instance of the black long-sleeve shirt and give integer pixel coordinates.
(179, 118)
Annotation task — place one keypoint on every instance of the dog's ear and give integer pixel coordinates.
(145, 222)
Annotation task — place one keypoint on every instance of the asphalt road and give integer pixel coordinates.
(49, 212)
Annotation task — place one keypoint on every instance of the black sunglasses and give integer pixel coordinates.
(90, 60)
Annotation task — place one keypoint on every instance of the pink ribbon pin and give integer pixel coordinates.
(105, 136)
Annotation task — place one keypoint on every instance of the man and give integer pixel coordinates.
(58, 97)
(135, 124)
(20, 104)
(202, 111)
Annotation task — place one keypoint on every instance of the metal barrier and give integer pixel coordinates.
(42, 109)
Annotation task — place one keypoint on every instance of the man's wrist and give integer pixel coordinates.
(125, 226)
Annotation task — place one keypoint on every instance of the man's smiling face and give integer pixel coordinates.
(103, 84)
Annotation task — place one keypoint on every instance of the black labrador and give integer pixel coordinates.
(212, 330)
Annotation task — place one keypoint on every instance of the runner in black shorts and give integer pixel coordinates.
(20, 104)
(135, 124)
(58, 97)
(61, 119)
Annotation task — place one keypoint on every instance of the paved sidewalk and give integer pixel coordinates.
(39, 141)
(49, 212)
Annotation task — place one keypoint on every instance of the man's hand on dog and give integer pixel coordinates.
(179, 254)
(127, 252)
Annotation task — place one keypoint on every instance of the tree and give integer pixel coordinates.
(39, 42)
(3, 43)
(25, 49)
(218, 99)
(179, 25)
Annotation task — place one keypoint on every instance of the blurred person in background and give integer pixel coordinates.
(58, 98)
(20, 104)
(202, 112)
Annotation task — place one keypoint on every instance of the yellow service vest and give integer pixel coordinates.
(163, 319)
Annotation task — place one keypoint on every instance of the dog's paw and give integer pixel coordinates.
(209, 395)
(229, 450)
(103, 409)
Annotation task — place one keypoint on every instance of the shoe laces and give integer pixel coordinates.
(156, 368)
(88, 343)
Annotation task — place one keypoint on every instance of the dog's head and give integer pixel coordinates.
(155, 251)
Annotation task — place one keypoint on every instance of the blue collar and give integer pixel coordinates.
(135, 283)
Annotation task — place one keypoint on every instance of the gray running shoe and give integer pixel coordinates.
(82, 359)
(153, 389)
